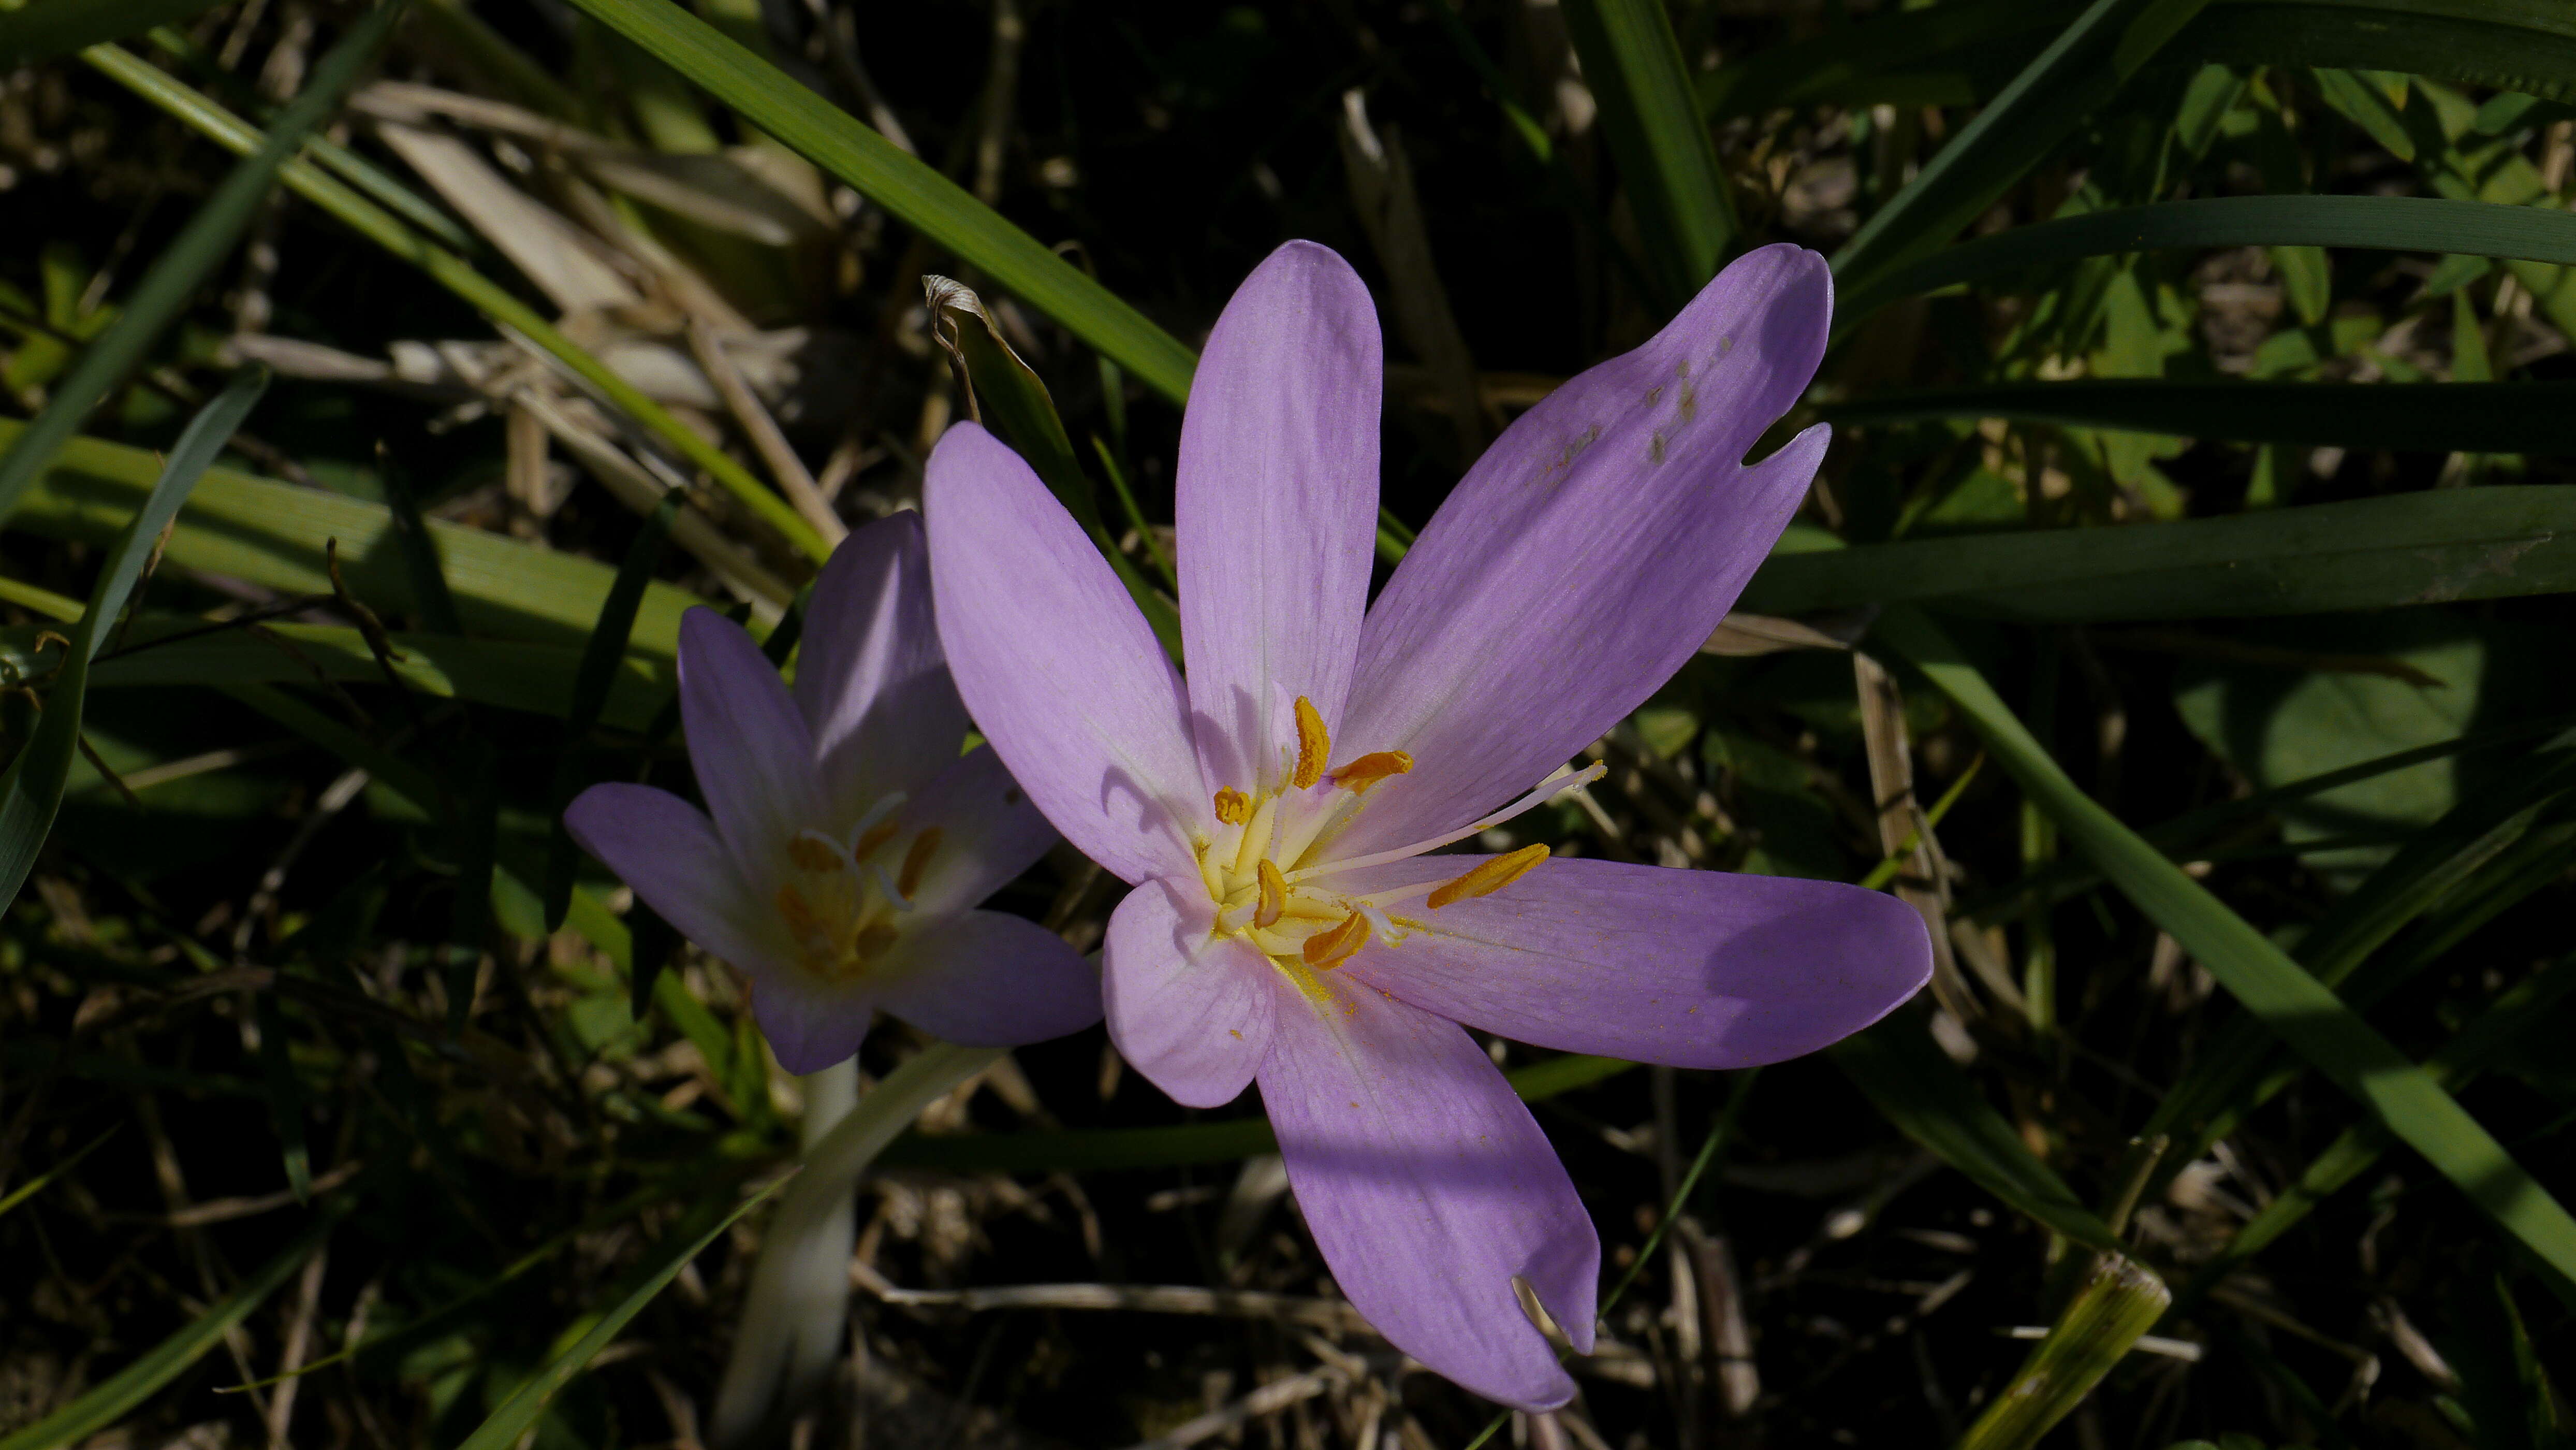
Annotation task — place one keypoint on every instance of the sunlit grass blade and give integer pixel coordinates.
(1923, 1093)
(184, 265)
(914, 192)
(117, 1396)
(521, 1410)
(2053, 94)
(2121, 1301)
(599, 661)
(32, 790)
(1099, 1149)
(458, 276)
(2385, 223)
(2537, 417)
(48, 28)
(1634, 67)
(273, 534)
(2300, 1010)
(2407, 548)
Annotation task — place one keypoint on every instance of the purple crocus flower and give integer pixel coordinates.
(851, 839)
(1273, 809)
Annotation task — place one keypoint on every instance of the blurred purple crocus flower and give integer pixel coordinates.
(1273, 809)
(850, 840)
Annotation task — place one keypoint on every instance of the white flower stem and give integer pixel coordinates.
(792, 1317)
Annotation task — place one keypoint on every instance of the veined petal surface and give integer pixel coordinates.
(1589, 553)
(1056, 664)
(1275, 508)
(1190, 1009)
(752, 752)
(870, 678)
(989, 979)
(1429, 1187)
(1687, 968)
(661, 846)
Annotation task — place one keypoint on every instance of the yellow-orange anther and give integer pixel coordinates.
(872, 942)
(875, 836)
(1489, 876)
(1313, 745)
(1333, 946)
(916, 861)
(1358, 775)
(1274, 894)
(812, 855)
(1233, 807)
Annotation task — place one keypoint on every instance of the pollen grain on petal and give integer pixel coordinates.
(1233, 807)
(1333, 946)
(1274, 894)
(1313, 744)
(1489, 876)
(1357, 776)
(916, 861)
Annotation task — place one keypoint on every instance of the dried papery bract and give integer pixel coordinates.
(1274, 809)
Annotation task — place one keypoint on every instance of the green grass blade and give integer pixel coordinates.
(2412, 548)
(2121, 1301)
(184, 265)
(1100, 1149)
(1015, 404)
(50, 28)
(32, 790)
(536, 678)
(1962, 52)
(2386, 223)
(2052, 95)
(599, 661)
(1952, 54)
(2423, 418)
(2505, 44)
(118, 1395)
(2524, 1005)
(521, 1410)
(357, 170)
(2456, 874)
(418, 549)
(2303, 1012)
(273, 535)
(458, 276)
(41, 1181)
(925, 200)
(1634, 66)
(285, 1093)
(1923, 1093)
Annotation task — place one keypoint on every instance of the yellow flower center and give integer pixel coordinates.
(839, 902)
(1268, 869)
